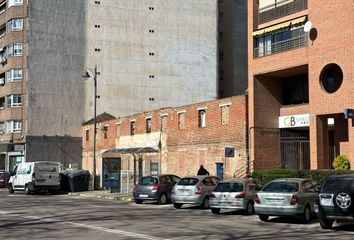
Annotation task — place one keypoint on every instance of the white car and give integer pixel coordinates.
(35, 176)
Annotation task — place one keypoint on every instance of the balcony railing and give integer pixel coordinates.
(282, 46)
(280, 9)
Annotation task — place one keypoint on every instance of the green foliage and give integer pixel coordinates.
(266, 176)
(341, 162)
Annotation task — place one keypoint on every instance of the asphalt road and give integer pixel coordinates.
(63, 217)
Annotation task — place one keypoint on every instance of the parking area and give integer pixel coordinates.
(61, 216)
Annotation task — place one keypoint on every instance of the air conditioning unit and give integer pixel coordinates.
(2, 81)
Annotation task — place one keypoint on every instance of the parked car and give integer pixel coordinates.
(287, 197)
(193, 190)
(156, 188)
(35, 176)
(234, 194)
(335, 200)
(4, 179)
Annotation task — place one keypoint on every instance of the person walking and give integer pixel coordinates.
(202, 171)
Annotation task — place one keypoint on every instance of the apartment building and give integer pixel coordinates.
(232, 41)
(170, 140)
(300, 82)
(148, 54)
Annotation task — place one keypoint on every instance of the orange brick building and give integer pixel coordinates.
(171, 140)
(301, 71)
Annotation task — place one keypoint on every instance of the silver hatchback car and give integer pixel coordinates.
(287, 197)
(193, 190)
(234, 194)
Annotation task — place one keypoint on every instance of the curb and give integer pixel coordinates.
(96, 196)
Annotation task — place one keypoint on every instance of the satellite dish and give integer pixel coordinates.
(308, 26)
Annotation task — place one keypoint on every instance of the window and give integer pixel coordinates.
(225, 114)
(14, 100)
(13, 126)
(163, 123)
(2, 127)
(15, 49)
(132, 127)
(15, 24)
(295, 90)
(14, 75)
(87, 134)
(148, 125)
(181, 120)
(2, 102)
(15, 2)
(331, 78)
(117, 130)
(201, 118)
(105, 131)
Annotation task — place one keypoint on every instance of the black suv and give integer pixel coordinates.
(335, 200)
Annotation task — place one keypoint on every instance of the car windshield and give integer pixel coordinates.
(188, 181)
(337, 185)
(148, 181)
(229, 187)
(281, 187)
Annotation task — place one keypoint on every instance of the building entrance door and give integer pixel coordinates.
(295, 148)
(111, 168)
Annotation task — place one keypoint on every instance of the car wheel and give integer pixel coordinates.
(250, 208)
(215, 210)
(326, 223)
(27, 191)
(205, 203)
(11, 190)
(163, 198)
(307, 215)
(177, 205)
(263, 217)
(138, 201)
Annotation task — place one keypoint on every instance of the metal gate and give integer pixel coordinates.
(295, 148)
(295, 154)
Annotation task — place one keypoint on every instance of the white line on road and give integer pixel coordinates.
(102, 229)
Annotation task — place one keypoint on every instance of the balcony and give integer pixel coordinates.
(282, 46)
(280, 9)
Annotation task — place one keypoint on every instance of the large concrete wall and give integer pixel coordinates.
(184, 43)
(55, 94)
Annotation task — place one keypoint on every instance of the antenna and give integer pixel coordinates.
(308, 26)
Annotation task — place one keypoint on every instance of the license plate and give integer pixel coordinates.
(275, 201)
(143, 195)
(326, 201)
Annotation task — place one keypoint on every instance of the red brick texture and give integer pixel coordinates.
(182, 150)
(334, 22)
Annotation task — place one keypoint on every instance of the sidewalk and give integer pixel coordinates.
(103, 194)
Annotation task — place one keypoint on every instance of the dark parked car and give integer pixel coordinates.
(4, 179)
(336, 200)
(157, 188)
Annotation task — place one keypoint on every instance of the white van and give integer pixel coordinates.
(35, 176)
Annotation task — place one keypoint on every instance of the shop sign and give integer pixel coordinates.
(19, 148)
(302, 120)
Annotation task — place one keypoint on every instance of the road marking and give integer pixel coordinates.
(81, 225)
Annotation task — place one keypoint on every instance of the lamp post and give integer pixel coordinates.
(86, 76)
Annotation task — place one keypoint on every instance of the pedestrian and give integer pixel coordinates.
(202, 171)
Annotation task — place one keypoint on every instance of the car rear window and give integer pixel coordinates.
(188, 181)
(229, 187)
(281, 187)
(148, 181)
(337, 185)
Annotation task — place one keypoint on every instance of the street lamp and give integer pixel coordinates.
(86, 76)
